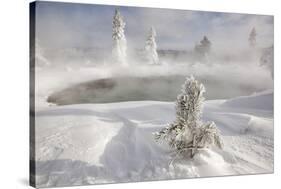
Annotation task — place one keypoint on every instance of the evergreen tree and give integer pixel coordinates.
(188, 133)
(119, 39)
(252, 38)
(267, 59)
(151, 47)
(203, 49)
(40, 59)
(205, 45)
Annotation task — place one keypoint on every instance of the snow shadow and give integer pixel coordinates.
(70, 112)
(136, 156)
(67, 172)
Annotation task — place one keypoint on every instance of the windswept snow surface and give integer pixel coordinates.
(107, 143)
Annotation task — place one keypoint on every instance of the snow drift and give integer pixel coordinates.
(107, 143)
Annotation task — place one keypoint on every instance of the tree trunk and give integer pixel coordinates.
(194, 149)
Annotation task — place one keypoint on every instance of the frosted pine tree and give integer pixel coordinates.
(206, 45)
(267, 59)
(187, 134)
(203, 49)
(119, 40)
(151, 47)
(252, 38)
(40, 59)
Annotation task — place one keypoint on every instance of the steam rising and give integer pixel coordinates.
(88, 50)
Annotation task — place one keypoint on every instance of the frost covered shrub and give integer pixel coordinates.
(188, 134)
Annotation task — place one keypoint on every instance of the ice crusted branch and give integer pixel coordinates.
(188, 133)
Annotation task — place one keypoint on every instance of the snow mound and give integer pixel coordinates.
(262, 100)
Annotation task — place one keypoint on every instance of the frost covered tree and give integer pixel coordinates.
(203, 49)
(40, 59)
(205, 45)
(188, 134)
(267, 59)
(252, 38)
(151, 47)
(119, 40)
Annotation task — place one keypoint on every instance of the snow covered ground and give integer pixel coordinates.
(107, 143)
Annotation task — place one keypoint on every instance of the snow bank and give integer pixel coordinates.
(107, 143)
(262, 100)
